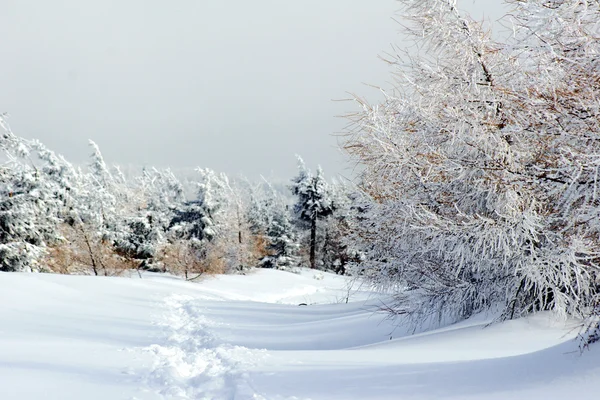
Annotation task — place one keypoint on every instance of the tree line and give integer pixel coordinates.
(58, 217)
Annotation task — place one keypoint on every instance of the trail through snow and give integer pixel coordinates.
(194, 363)
(246, 338)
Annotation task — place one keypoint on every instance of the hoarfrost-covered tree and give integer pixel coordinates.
(98, 209)
(235, 229)
(272, 219)
(336, 250)
(198, 224)
(482, 164)
(29, 203)
(27, 219)
(313, 202)
(283, 240)
(260, 204)
(163, 192)
(147, 225)
(198, 218)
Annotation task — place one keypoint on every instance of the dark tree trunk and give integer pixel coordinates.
(239, 226)
(313, 240)
(91, 253)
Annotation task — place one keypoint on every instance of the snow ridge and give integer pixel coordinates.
(193, 364)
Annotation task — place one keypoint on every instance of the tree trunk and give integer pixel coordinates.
(313, 240)
(91, 253)
(239, 220)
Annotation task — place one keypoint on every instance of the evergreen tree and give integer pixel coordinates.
(197, 219)
(162, 193)
(29, 206)
(336, 250)
(271, 219)
(313, 203)
(283, 241)
(27, 219)
(206, 228)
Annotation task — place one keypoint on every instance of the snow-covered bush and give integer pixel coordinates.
(482, 164)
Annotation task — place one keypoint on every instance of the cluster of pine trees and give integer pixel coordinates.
(57, 217)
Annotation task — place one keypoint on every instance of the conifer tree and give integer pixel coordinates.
(313, 202)
(29, 204)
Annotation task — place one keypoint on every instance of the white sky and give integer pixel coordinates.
(239, 86)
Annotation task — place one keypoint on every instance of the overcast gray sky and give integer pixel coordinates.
(239, 86)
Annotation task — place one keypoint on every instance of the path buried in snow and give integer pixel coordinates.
(245, 337)
(235, 348)
(194, 364)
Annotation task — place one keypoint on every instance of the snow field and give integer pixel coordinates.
(246, 338)
(193, 364)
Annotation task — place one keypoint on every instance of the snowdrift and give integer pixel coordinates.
(246, 337)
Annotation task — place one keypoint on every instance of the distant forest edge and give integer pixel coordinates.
(57, 217)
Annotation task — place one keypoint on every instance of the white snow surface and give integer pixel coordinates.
(245, 337)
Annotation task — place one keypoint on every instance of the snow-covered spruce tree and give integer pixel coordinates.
(313, 203)
(335, 250)
(24, 223)
(482, 164)
(196, 219)
(161, 194)
(62, 181)
(29, 205)
(283, 239)
(270, 219)
(196, 228)
(142, 238)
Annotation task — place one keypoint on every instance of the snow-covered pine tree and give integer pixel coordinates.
(197, 218)
(271, 218)
(260, 204)
(197, 225)
(161, 193)
(29, 205)
(336, 251)
(313, 203)
(482, 165)
(142, 238)
(27, 219)
(283, 239)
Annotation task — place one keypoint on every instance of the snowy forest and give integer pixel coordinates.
(62, 218)
(477, 189)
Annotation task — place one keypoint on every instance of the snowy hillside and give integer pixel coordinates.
(246, 337)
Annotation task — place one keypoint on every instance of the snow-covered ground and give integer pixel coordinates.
(246, 337)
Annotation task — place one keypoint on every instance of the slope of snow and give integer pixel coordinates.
(246, 337)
